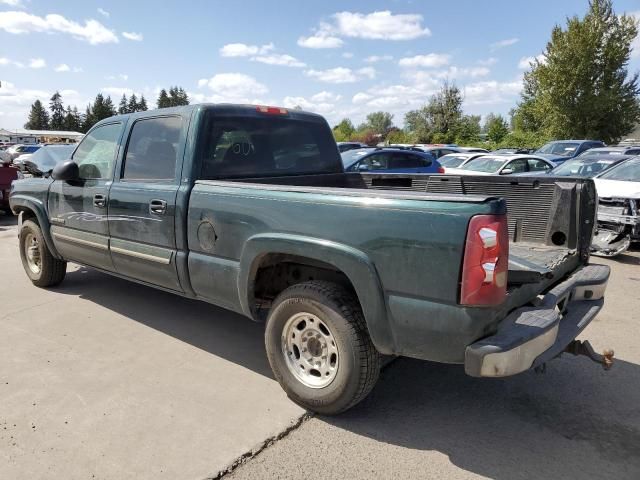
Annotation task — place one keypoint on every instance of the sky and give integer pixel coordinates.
(336, 58)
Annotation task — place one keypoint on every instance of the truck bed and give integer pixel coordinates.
(545, 239)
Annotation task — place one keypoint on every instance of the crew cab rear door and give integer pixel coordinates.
(142, 201)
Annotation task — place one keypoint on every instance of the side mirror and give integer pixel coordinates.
(363, 168)
(66, 171)
(506, 171)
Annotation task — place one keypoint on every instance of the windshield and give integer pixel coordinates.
(582, 167)
(484, 164)
(451, 161)
(593, 152)
(352, 156)
(47, 157)
(628, 171)
(559, 148)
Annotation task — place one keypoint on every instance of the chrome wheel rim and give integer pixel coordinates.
(32, 253)
(310, 350)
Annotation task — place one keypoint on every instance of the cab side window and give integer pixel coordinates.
(96, 154)
(535, 165)
(153, 149)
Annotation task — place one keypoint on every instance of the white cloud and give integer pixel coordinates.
(120, 76)
(279, 59)
(527, 62)
(504, 43)
(368, 72)
(378, 58)
(347, 55)
(7, 61)
(361, 97)
(323, 37)
(63, 67)
(12, 3)
(491, 92)
(233, 87)
(136, 37)
(117, 92)
(325, 96)
(244, 50)
(322, 102)
(381, 25)
(487, 62)
(333, 75)
(431, 60)
(37, 63)
(92, 31)
(103, 12)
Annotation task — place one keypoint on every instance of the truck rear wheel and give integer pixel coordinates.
(319, 348)
(42, 268)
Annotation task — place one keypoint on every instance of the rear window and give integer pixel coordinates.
(235, 147)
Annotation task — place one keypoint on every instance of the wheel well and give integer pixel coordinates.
(277, 272)
(27, 213)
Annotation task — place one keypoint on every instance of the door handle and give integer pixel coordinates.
(99, 200)
(158, 207)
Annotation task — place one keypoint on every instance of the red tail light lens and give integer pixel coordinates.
(486, 261)
(440, 169)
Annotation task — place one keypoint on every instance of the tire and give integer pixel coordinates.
(42, 268)
(300, 312)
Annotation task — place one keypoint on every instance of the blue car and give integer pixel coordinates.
(390, 160)
(561, 150)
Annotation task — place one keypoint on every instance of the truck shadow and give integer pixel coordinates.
(7, 221)
(574, 421)
(214, 330)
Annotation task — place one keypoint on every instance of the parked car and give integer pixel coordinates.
(344, 146)
(584, 166)
(472, 150)
(511, 151)
(457, 160)
(502, 165)
(624, 150)
(560, 150)
(249, 208)
(43, 161)
(438, 150)
(390, 160)
(618, 208)
(17, 150)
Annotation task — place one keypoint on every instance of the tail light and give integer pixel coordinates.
(486, 261)
(440, 169)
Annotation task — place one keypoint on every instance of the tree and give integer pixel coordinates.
(380, 123)
(102, 108)
(142, 104)
(467, 130)
(344, 130)
(72, 120)
(163, 99)
(57, 112)
(439, 118)
(496, 128)
(124, 105)
(133, 103)
(581, 88)
(38, 117)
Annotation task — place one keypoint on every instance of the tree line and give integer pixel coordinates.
(579, 88)
(57, 117)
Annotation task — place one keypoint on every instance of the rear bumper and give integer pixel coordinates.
(530, 336)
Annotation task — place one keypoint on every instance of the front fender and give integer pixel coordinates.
(354, 263)
(20, 203)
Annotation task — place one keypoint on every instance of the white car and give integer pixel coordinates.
(457, 160)
(502, 165)
(618, 208)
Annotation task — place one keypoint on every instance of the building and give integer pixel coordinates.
(39, 136)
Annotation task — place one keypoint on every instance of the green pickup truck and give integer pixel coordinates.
(249, 208)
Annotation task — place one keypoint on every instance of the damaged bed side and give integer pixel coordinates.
(618, 225)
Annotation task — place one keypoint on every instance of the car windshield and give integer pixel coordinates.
(47, 157)
(559, 148)
(352, 156)
(451, 161)
(594, 152)
(484, 164)
(628, 171)
(582, 167)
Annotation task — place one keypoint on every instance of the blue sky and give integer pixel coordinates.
(337, 58)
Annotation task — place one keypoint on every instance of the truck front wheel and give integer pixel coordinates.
(42, 268)
(319, 348)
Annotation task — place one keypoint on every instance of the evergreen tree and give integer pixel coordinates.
(163, 99)
(124, 105)
(38, 117)
(142, 104)
(102, 108)
(133, 103)
(582, 88)
(88, 120)
(57, 112)
(72, 120)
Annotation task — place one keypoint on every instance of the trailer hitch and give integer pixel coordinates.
(578, 347)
